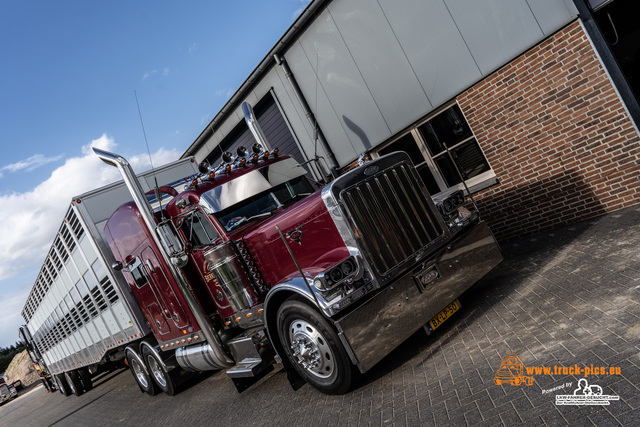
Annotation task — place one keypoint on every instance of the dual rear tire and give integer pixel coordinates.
(149, 372)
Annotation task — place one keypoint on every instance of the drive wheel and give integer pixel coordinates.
(62, 384)
(313, 347)
(139, 372)
(73, 380)
(160, 376)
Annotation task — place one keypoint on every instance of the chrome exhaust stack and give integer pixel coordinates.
(254, 126)
(172, 250)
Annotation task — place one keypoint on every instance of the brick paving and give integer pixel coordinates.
(565, 297)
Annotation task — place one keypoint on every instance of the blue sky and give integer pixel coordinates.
(68, 73)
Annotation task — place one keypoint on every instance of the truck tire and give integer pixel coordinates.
(140, 373)
(85, 379)
(313, 347)
(62, 385)
(156, 368)
(74, 383)
(46, 384)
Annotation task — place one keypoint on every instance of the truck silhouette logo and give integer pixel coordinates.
(511, 371)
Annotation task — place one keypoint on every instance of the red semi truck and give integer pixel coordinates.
(252, 265)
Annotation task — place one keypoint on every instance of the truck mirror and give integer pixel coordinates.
(117, 266)
(180, 260)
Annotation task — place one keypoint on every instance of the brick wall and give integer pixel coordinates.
(557, 136)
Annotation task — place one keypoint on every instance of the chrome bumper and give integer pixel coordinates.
(383, 322)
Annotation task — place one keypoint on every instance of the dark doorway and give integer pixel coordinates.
(619, 24)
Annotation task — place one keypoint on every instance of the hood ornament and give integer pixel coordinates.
(296, 235)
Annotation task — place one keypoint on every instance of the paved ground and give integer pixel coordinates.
(565, 298)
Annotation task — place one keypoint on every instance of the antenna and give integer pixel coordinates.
(155, 178)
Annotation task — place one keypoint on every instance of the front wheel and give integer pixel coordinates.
(313, 347)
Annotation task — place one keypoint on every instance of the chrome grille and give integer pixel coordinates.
(393, 218)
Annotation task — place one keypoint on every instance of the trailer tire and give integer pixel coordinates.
(61, 382)
(141, 373)
(73, 380)
(313, 348)
(85, 379)
(157, 371)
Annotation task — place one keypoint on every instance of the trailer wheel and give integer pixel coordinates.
(62, 384)
(73, 380)
(156, 368)
(139, 372)
(46, 384)
(85, 379)
(313, 347)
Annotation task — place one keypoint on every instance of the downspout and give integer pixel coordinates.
(280, 60)
(139, 198)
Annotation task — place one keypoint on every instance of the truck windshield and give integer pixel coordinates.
(263, 204)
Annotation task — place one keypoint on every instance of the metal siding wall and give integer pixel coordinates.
(552, 14)
(434, 47)
(340, 80)
(324, 111)
(382, 63)
(369, 69)
(495, 30)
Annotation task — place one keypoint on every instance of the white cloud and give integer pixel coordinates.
(298, 11)
(31, 219)
(224, 92)
(164, 73)
(29, 164)
(12, 304)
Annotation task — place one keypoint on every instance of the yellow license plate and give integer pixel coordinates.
(439, 318)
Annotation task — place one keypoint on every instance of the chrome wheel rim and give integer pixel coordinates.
(156, 371)
(138, 371)
(310, 349)
(71, 387)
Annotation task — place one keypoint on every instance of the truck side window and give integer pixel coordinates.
(198, 230)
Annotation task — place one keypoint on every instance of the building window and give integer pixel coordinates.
(427, 144)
